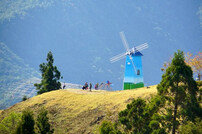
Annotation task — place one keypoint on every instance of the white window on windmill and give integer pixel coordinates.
(138, 72)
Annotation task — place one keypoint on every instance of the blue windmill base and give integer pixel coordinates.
(128, 85)
(133, 77)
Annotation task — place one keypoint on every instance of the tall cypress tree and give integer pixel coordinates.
(50, 76)
(179, 88)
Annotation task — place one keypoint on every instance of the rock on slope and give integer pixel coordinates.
(77, 111)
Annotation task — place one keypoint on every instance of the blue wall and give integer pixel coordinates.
(131, 73)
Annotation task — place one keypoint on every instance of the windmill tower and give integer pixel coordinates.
(133, 77)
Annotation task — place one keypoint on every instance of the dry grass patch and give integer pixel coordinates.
(78, 111)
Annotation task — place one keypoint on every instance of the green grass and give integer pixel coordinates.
(133, 86)
(78, 111)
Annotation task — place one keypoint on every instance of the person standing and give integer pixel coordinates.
(64, 86)
(86, 85)
(96, 86)
(90, 86)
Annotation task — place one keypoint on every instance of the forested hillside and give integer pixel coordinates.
(16, 78)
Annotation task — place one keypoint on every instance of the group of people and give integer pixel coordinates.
(85, 86)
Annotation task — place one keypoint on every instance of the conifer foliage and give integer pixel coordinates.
(42, 123)
(26, 126)
(179, 89)
(50, 76)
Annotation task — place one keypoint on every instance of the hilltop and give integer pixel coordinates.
(77, 111)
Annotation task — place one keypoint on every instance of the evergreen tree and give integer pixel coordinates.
(26, 126)
(50, 76)
(179, 89)
(134, 118)
(141, 118)
(42, 123)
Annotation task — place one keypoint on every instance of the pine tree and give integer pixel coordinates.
(134, 118)
(26, 126)
(50, 76)
(141, 117)
(179, 89)
(42, 123)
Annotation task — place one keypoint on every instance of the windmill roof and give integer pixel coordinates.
(137, 53)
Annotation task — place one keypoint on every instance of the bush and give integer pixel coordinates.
(192, 128)
(108, 127)
(24, 98)
(42, 123)
(26, 126)
(9, 124)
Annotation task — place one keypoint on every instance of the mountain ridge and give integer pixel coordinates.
(16, 77)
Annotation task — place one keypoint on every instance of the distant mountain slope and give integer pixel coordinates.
(83, 34)
(16, 78)
(76, 111)
(10, 9)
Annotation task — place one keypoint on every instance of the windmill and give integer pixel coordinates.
(133, 77)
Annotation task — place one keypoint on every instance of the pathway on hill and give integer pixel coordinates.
(140, 91)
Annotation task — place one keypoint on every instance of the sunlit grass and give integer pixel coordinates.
(77, 111)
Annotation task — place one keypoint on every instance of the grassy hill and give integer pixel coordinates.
(77, 111)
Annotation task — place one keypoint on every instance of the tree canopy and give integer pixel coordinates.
(50, 76)
(179, 89)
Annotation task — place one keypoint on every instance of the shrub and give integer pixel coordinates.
(192, 128)
(42, 123)
(24, 98)
(108, 127)
(9, 124)
(26, 126)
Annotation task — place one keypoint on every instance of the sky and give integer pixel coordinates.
(84, 35)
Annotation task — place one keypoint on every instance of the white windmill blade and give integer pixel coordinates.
(140, 49)
(112, 61)
(143, 45)
(117, 57)
(125, 43)
(133, 64)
